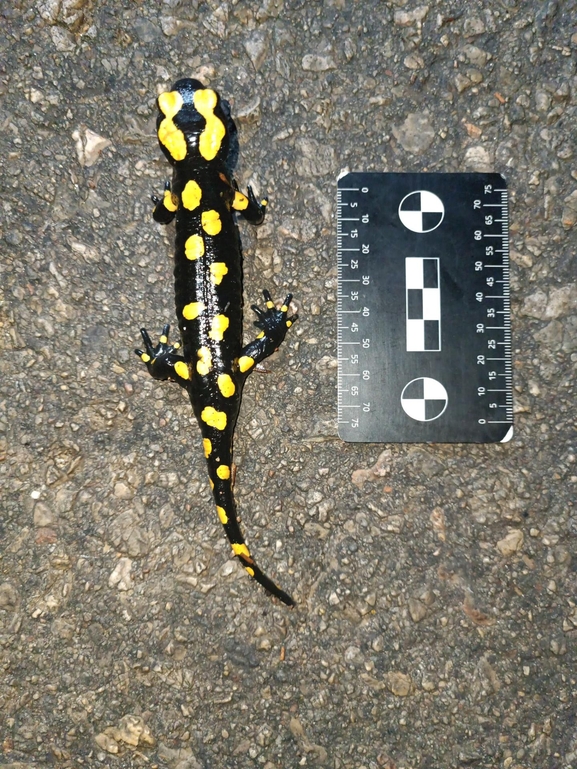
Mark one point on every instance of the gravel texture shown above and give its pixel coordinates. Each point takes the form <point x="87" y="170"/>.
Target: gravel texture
<point x="436" y="624"/>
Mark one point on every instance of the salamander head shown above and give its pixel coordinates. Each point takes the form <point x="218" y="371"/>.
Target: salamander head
<point x="194" y="125"/>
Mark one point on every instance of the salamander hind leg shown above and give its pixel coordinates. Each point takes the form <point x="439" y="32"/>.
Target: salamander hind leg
<point x="163" y="361"/>
<point x="274" y="324"/>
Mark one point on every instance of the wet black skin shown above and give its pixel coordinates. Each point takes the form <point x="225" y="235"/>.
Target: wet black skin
<point x="193" y="284"/>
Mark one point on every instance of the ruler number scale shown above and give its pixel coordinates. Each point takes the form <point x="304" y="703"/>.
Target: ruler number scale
<point x="423" y="308"/>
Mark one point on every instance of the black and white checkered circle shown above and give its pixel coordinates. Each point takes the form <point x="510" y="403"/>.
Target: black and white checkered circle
<point x="424" y="399"/>
<point x="421" y="211"/>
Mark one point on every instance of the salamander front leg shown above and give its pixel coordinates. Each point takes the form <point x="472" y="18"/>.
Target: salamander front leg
<point x="274" y="324"/>
<point x="248" y="206"/>
<point x="164" y="208"/>
<point x="162" y="361"/>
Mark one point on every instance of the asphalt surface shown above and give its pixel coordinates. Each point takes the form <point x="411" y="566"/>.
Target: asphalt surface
<point x="436" y="618"/>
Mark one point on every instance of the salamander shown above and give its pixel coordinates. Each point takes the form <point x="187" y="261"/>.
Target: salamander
<point x="198" y="136"/>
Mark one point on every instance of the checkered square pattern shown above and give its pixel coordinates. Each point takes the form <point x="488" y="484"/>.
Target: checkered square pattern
<point x="423" y="304"/>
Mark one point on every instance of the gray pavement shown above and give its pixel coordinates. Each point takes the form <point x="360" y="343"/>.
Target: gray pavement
<point x="436" y="618"/>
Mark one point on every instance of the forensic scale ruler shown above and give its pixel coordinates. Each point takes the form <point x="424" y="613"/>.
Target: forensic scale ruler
<point x="424" y="322"/>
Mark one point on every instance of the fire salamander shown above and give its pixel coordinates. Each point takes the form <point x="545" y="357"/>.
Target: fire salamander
<point x="199" y="138"/>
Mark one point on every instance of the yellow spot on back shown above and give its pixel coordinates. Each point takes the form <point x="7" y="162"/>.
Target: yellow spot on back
<point x="213" y="418"/>
<point x="226" y="385"/>
<point x="214" y="131"/>
<point x="181" y="369"/>
<point x="218" y="327"/>
<point x="192" y="310"/>
<point x="170" y="201"/>
<point x="211" y="223"/>
<point x="207" y="445"/>
<point x="240" y="201"/>
<point x="169" y="135"/>
<point x="223" y="472"/>
<point x="222" y="515"/>
<point x="250" y="571"/>
<point x="217" y="272"/>
<point x="239" y="549"/>
<point x="194" y="247"/>
<point x="204" y="361"/>
<point x="245" y="362"/>
<point x="191" y="195"/>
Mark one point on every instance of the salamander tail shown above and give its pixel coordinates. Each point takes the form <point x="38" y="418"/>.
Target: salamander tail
<point x="226" y="509"/>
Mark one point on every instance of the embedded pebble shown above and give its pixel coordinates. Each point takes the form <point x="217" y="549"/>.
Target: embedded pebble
<point x="477" y="159"/>
<point x="89" y="146"/>
<point x="257" y="46"/>
<point x="43" y="515"/>
<point x="399" y="683"/>
<point x="315" y="63"/>
<point x="120" y="577"/>
<point x="316" y="159"/>
<point x="559" y="302"/>
<point x="416" y="133"/>
<point x="417" y="609"/>
<point x="569" y="216"/>
<point x="511" y="543"/>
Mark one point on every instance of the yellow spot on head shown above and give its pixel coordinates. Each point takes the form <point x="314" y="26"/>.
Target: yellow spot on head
<point x="169" y="103"/>
<point x="192" y="310"/>
<point x="211" y="223"/>
<point x="191" y="195"/>
<point x="219" y="325"/>
<point x="170" y="201"/>
<point x="250" y="571"/>
<point x="214" y="132"/>
<point x="213" y="418"/>
<point x="222" y="515"/>
<point x="181" y="369"/>
<point x="194" y="247"/>
<point x="207" y="445"/>
<point x="239" y="549"/>
<point x="223" y="472"/>
<point x="245" y="362"/>
<point x="240" y="201"/>
<point x="226" y="385"/>
<point x="204" y="361"/>
<point x="217" y="272"/>
<point x="169" y="135"/>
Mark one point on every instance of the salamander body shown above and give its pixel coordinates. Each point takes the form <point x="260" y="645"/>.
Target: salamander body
<point x="198" y="136"/>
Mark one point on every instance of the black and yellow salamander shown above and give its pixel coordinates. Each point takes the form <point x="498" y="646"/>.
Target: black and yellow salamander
<point x="198" y="136"/>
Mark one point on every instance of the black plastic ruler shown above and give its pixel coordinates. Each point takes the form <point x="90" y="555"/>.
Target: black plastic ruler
<point x="424" y="326"/>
